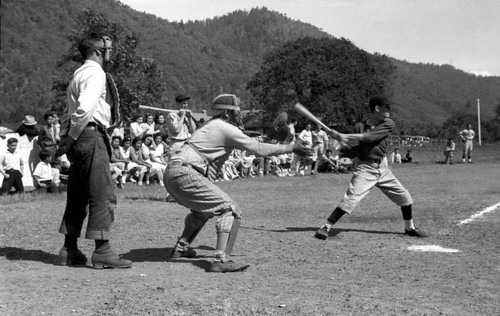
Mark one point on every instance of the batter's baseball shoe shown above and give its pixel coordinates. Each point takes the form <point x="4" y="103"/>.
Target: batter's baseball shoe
<point x="71" y="257"/>
<point x="322" y="232"/>
<point x="415" y="232"/>
<point x="228" y="266"/>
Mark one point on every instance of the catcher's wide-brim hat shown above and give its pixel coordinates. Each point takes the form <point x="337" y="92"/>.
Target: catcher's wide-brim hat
<point x="226" y="102"/>
<point x="29" y="120"/>
<point x="181" y="98"/>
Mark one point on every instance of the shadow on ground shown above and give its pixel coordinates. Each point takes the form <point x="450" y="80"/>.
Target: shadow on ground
<point x="13" y="253"/>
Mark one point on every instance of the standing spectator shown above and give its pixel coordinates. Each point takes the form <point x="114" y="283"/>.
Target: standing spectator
<point x="467" y="136"/>
<point x="46" y="177"/>
<point x="180" y="125"/>
<point x="301" y="162"/>
<point x="93" y="107"/>
<point x="449" y="149"/>
<point x="28" y="127"/>
<point x="396" y="156"/>
<point x="47" y="138"/>
<point x="320" y="145"/>
<point x="12" y="168"/>
<point x="161" y="126"/>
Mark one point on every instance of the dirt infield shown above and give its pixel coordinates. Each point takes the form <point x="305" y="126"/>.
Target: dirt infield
<point x="365" y="269"/>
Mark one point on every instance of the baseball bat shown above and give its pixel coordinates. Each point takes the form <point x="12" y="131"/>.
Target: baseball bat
<point x="305" y="112"/>
<point x="152" y="108"/>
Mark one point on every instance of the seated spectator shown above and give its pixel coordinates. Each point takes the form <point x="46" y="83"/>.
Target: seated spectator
<point x="117" y="163"/>
<point x="155" y="169"/>
<point x="12" y="168"/>
<point x="396" y="156"/>
<point x="46" y="178"/>
<point x="161" y="126"/>
<point x="137" y="156"/>
<point x="133" y="171"/>
<point x="28" y="127"/>
<point x="149" y="125"/>
<point x="160" y="150"/>
<point x="449" y="149"/>
<point x="136" y="130"/>
<point x="328" y="162"/>
<point x="408" y="157"/>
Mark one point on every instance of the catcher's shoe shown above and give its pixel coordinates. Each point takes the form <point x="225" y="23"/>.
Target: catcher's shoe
<point x="182" y="253"/>
<point x="415" y="232"/>
<point x="228" y="266"/>
<point x="322" y="232"/>
<point x="71" y="257"/>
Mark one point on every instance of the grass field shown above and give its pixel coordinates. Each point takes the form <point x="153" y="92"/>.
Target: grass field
<point x="366" y="268"/>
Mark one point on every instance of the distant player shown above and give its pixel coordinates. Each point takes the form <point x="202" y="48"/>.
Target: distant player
<point x="188" y="179"/>
<point x="467" y="136"/>
<point x="371" y="168"/>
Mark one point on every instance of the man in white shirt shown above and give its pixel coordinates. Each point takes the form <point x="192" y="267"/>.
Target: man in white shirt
<point x="467" y="136"/>
<point x="11" y="167"/>
<point x="92" y="108"/>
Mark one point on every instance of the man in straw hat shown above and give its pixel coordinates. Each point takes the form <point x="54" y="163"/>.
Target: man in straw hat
<point x="193" y="166"/>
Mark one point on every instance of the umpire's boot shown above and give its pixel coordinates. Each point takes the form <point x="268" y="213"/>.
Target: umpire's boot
<point x="71" y="257"/>
<point x="105" y="257"/>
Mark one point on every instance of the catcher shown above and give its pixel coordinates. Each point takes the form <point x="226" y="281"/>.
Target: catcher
<point x="193" y="166"/>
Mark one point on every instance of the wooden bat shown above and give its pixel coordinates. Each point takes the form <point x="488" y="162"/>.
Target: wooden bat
<point x="152" y="108"/>
<point x="305" y="112"/>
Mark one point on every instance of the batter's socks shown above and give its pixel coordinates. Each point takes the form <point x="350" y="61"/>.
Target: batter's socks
<point x="334" y="217"/>
<point x="407" y="216"/>
<point x="70" y="242"/>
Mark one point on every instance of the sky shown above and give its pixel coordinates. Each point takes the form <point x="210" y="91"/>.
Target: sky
<point x="461" y="33"/>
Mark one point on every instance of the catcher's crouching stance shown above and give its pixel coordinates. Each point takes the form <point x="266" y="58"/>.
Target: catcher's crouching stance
<point x="188" y="179"/>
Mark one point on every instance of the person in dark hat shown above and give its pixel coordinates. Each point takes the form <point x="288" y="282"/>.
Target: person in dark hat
<point x="369" y="147"/>
<point x="180" y="125"/>
<point x="29" y="127"/>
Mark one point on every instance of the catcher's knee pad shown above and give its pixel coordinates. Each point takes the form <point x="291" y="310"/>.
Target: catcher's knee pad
<point x="225" y="222"/>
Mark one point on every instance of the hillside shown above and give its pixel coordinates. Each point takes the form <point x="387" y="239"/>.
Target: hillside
<point x="201" y="58"/>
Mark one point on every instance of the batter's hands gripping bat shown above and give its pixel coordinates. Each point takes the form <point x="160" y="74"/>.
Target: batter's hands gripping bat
<point x="305" y="112"/>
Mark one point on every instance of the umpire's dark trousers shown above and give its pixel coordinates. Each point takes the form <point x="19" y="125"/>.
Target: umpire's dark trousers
<point x="89" y="183"/>
<point x="15" y="180"/>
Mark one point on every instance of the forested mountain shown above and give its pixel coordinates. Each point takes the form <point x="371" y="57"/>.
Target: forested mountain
<point x="202" y="58"/>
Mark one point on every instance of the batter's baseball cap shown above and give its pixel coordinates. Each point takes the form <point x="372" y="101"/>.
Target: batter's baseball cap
<point x="379" y="100"/>
<point x="226" y="102"/>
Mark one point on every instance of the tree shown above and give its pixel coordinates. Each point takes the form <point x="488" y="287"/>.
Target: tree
<point x="331" y="77"/>
<point x="139" y="80"/>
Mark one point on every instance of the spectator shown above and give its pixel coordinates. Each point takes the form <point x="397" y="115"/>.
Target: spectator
<point x="12" y="168"/>
<point x="408" y="157"/>
<point x="117" y="162"/>
<point x="155" y="169"/>
<point x="328" y="162"/>
<point x="131" y="167"/>
<point x="467" y="136"/>
<point x="136" y="130"/>
<point x="320" y="144"/>
<point x="47" y="138"/>
<point x="396" y="156"/>
<point x="47" y="178"/>
<point x="137" y="157"/>
<point x="160" y="150"/>
<point x="449" y="149"/>
<point x="161" y="126"/>
<point x="149" y="124"/>
<point x="28" y="127"/>
<point x="180" y="125"/>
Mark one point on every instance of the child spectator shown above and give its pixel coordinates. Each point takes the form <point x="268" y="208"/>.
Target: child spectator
<point x="47" y="178"/>
<point x="12" y="169"/>
<point x="48" y="138"/>
<point x="408" y="157"/>
<point x="396" y="156"/>
<point x="448" y="152"/>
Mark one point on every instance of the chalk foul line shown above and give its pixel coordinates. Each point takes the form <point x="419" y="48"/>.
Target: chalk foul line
<point x="479" y="214"/>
